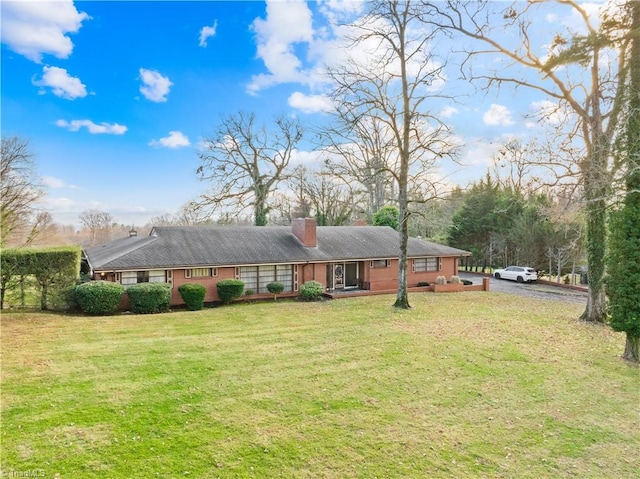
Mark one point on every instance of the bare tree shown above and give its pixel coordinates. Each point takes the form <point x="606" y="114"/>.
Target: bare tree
<point x="245" y="163"/>
<point x="326" y="196"/>
<point x="189" y="214"/>
<point x="99" y="224"/>
<point x="19" y="188"/>
<point x="361" y="152"/>
<point x="389" y="82"/>
<point x="582" y="75"/>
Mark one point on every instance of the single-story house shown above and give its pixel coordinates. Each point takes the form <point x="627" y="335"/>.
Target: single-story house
<point x="339" y="257"/>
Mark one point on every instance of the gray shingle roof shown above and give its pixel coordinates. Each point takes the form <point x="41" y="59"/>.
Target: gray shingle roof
<point x="184" y="246"/>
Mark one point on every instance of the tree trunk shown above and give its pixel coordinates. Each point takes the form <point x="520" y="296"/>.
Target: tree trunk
<point x="595" y="311"/>
<point x="402" y="298"/>
<point x="43" y="298"/>
<point x="22" y="292"/>
<point x="260" y="209"/>
<point x="632" y="348"/>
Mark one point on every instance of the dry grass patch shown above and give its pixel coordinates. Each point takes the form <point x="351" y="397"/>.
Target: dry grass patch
<point x="492" y="386"/>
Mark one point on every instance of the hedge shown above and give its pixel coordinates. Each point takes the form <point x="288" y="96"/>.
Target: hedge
<point x="98" y="297"/>
<point x="193" y="295"/>
<point x="229" y="289"/>
<point x="146" y="298"/>
<point x="53" y="268"/>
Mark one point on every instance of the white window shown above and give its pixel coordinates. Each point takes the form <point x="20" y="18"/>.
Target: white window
<point x="380" y="263"/>
<point x="201" y="272"/>
<point x="421" y="265"/>
<point x="284" y="275"/>
<point x="128" y="278"/>
<point x="257" y="278"/>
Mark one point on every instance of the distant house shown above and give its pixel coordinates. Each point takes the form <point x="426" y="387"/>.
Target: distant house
<point x="339" y="257"/>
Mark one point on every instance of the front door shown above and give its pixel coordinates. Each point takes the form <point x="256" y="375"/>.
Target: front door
<point x="351" y="275"/>
<point x="338" y="276"/>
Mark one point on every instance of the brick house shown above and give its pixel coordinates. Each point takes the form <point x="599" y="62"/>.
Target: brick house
<point x="341" y="258"/>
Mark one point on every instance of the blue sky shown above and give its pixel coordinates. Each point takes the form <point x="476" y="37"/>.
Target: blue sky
<point x="115" y="97"/>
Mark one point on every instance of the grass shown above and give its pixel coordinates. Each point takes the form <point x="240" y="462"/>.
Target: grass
<point x="491" y="386"/>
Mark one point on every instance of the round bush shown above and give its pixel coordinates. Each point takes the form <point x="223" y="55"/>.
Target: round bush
<point x="275" y="288"/>
<point x="229" y="289"/>
<point x="193" y="295"/>
<point x="98" y="297"/>
<point x="311" y="291"/>
<point x="146" y="298"/>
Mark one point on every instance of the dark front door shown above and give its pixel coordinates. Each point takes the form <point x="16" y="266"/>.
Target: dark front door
<point x="351" y="275"/>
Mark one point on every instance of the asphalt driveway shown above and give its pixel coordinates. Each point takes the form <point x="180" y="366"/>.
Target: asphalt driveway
<point x="530" y="290"/>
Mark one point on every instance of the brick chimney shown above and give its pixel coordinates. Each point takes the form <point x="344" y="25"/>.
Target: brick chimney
<point x="305" y="230"/>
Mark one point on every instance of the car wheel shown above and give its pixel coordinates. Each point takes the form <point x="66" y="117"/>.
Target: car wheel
<point x="520" y="279"/>
<point x="497" y="275"/>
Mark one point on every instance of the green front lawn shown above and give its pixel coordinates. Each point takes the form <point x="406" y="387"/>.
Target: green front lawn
<point x="463" y="385"/>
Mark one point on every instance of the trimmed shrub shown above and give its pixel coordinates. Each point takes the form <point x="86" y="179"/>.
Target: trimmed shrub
<point x="454" y="279"/>
<point x="441" y="280"/>
<point x="193" y="295"/>
<point x="146" y="298"/>
<point x="275" y="288"/>
<point x="466" y="282"/>
<point x="423" y="283"/>
<point x="311" y="291"/>
<point x="229" y="289"/>
<point x="249" y="292"/>
<point x="52" y="268"/>
<point x="98" y="297"/>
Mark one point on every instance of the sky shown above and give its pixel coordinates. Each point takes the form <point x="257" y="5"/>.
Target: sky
<point x="115" y="97"/>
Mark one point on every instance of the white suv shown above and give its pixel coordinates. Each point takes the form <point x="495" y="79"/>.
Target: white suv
<point x="521" y="274"/>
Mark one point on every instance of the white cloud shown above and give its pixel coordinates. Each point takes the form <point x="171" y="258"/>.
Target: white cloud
<point x="56" y="183"/>
<point x="448" y="111"/>
<point x="176" y="139"/>
<point x="93" y="128"/>
<point x="287" y="23"/>
<point x="57" y="204"/>
<point x="497" y="115"/>
<point x="207" y="32"/>
<point x="36" y="28"/>
<point x="310" y="103"/>
<point x="61" y="83"/>
<point x="310" y="159"/>
<point x="155" y="86"/>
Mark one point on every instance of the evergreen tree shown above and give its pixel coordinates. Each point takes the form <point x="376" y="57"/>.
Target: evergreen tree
<point x="623" y="283"/>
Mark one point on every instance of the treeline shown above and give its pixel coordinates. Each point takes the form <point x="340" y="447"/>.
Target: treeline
<point x="502" y="226"/>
